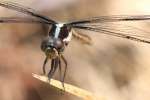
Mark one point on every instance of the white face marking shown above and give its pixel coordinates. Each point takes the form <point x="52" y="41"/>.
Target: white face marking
<point x="58" y="27"/>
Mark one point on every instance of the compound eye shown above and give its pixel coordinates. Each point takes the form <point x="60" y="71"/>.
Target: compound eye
<point x="51" y="43"/>
<point x="47" y="43"/>
<point x="43" y="45"/>
<point x="58" y="43"/>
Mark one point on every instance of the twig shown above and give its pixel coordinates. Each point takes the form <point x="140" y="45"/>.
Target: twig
<point x="85" y="95"/>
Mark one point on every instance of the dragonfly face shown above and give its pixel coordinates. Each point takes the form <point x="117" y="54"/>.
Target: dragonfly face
<point x="59" y="37"/>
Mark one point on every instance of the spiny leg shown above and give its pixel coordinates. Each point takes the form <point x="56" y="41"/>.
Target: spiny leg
<point x="44" y="64"/>
<point x="82" y="37"/>
<point x="60" y="70"/>
<point x="61" y="79"/>
<point x="54" y="66"/>
<point x="65" y="61"/>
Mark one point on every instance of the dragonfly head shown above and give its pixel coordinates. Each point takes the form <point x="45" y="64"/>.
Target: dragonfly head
<point x="52" y="47"/>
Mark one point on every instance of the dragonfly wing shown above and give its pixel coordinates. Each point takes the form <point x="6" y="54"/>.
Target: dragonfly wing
<point x="115" y="18"/>
<point x="123" y="31"/>
<point x="25" y="10"/>
<point x="20" y="20"/>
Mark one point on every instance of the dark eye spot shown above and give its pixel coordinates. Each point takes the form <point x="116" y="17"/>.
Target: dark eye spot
<point x="64" y="32"/>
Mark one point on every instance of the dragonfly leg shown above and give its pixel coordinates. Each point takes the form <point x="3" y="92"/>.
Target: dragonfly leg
<point x="61" y="78"/>
<point x="44" y="64"/>
<point x="85" y="39"/>
<point x="51" y="70"/>
<point x="60" y="70"/>
<point x="65" y="71"/>
<point x="54" y="65"/>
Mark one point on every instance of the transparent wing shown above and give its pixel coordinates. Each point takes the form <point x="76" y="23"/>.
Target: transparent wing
<point x="20" y="20"/>
<point x="115" y="18"/>
<point x="118" y="30"/>
<point x="25" y="10"/>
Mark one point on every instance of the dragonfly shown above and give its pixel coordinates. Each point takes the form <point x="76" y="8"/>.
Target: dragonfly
<point x="60" y="34"/>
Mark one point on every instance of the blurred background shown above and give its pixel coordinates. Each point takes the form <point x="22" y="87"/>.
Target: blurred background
<point x="112" y="68"/>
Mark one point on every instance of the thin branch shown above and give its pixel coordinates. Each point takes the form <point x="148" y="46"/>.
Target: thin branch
<point x="84" y="94"/>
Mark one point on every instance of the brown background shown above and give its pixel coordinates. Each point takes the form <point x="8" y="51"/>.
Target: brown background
<point x="112" y="68"/>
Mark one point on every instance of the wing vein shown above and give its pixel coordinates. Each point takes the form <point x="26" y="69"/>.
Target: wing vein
<point x="17" y="7"/>
<point x="112" y="33"/>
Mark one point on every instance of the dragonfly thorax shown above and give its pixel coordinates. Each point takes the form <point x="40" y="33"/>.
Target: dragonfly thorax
<point x="61" y="31"/>
<point x="59" y="37"/>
